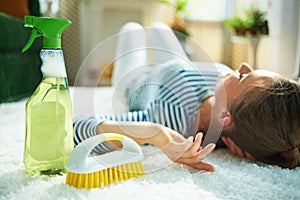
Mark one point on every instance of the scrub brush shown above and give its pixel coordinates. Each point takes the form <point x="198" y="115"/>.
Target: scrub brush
<point x="84" y="171"/>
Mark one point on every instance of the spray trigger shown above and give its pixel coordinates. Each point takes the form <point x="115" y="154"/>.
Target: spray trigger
<point x="34" y="34"/>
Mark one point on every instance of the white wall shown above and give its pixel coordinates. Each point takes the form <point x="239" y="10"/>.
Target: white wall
<point x="209" y="40"/>
<point x="100" y="21"/>
<point x="279" y="51"/>
<point x="282" y="47"/>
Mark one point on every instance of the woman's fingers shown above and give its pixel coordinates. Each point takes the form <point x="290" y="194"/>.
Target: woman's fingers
<point x="196" y="152"/>
<point x="195" y="146"/>
<point x="203" y="166"/>
<point x="206" y="151"/>
<point x="235" y="150"/>
<point x="228" y="144"/>
<point x="190" y="153"/>
<point x="249" y="156"/>
<point x="198" y="157"/>
<point x="195" y="163"/>
<point x="201" y="154"/>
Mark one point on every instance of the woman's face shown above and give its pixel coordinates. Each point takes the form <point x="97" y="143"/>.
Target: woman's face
<point x="233" y="84"/>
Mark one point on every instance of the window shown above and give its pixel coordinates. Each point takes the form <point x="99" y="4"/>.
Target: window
<point x="49" y="7"/>
<point x="207" y="10"/>
<point x="218" y="10"/>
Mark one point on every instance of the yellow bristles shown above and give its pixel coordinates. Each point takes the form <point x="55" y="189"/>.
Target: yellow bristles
<point x="105" y="177"/>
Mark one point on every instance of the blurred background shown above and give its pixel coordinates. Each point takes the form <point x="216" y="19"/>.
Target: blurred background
<point x="270" y="37"/>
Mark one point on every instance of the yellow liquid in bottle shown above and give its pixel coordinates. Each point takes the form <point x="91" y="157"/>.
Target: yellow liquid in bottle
<point x="49" y="128"/>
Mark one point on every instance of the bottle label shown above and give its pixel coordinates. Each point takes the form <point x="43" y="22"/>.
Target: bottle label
<point x="47" y="131"/>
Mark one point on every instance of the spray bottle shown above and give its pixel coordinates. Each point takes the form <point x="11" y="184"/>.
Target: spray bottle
<point x="49" y="117"/>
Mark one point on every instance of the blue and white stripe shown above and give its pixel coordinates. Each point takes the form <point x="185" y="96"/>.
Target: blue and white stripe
<point x="177" y="98"/>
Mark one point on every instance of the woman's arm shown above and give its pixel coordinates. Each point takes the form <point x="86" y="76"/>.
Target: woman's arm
<point x="174" y="145"/>
<point x="141" y="132"/>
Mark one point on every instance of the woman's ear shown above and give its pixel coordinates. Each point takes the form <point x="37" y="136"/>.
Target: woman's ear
<point x="224" y="118"/>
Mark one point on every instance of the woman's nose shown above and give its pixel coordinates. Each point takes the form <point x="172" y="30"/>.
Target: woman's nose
<point x="245" y="68"/>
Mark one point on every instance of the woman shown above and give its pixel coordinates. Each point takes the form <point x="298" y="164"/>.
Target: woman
<point x="265" y="121"/>
<point x="175" y="101"/>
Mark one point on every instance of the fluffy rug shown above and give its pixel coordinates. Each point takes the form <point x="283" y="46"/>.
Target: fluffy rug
<point x="233" y="179"/>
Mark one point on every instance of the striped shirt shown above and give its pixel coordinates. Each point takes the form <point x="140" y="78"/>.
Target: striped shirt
<point x="170" y="96"/>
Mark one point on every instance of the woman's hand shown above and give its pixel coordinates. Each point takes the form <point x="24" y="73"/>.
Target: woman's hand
<point x="187" y="152"/>
<point x="174" y="145"/>
<point x="235" y="150"/>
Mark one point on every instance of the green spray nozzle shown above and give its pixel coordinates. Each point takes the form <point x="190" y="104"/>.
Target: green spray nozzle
<point x="50" y="28"/>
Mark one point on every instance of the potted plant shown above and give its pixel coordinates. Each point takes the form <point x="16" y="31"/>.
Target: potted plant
<point x="254" y="23"/>
<point x="237" y="25"/>
<point x="257" y="22"/>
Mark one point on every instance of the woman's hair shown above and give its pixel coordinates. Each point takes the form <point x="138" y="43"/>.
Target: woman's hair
<point x="266" y="123"/>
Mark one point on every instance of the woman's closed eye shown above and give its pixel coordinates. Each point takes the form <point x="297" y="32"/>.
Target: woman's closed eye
<point x="242" y="76"/>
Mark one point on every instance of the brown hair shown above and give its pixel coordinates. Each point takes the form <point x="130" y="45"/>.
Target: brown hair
<point x="267" y="123"/>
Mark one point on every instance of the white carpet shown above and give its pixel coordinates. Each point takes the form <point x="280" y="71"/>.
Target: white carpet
<point x="233" y="179"/>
